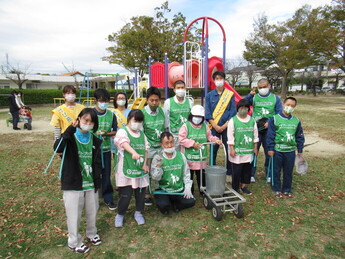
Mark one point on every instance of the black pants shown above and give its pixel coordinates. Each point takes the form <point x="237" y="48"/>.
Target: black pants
<point x="125" y="195"/>
<point x="197" y="173"/>
<point x="178" y="202"/>
<point x="15" y="119"/>
<point x="241" y="174"/>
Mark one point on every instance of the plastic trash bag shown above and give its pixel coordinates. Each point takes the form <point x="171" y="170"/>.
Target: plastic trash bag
<point x="301" y="165"/>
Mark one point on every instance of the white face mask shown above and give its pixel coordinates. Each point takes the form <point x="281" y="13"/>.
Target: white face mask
<point x="288" y="109"/>
<point x="135" y="125"/>
<point x="70" y="97"/>
<point x="121" y="102"/>
<point x="180" y="92"/>
<point x="103" y="106"/>
<point x="85" y="127"/>
<point x="196" y="120"/>
<point x="169" y="150"/>
<point x="264" y="91"/>
<point x="219" y="83"/>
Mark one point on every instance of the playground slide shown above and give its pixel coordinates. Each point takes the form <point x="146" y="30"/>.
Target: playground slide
<point x="175" y="72"/>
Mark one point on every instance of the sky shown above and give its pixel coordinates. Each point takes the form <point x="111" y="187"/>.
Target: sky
<point x="48" y="35"/>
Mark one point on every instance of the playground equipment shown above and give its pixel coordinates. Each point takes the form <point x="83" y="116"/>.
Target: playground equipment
<point x="197" y="67"/>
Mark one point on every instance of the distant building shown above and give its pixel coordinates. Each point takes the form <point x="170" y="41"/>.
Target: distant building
<point x="74" y="78"/>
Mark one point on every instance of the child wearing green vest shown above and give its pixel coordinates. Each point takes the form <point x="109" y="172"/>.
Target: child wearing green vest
<point x="284" y="136"/>
<point x="106" y="131"/>
<point x="131" y="173"/>
<point x="81" y="177"/>
<point x="192" y="134"/>
<point x="171" y="173"/>
<point x="242" y="141"/>
<point x="177" y="109"/>
<point x="154" y="121"/>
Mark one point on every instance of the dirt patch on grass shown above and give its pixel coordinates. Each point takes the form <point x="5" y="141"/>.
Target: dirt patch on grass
<point x="37" y="126"/>
<point x="322" y="147"/>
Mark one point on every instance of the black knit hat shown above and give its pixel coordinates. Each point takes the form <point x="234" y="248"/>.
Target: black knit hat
<point x="243" y="102"/>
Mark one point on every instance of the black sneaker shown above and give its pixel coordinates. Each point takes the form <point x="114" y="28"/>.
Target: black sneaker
<point x="246" y="191"/>
<point x="111" y="205"/>
<point x="96" y="240"/>
<point x="16" y="128"/>
<point x="148" y="201"/>
<point x="81" y="249"/>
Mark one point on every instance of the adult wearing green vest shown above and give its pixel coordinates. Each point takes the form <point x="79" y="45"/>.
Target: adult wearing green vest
<point x="107" y="129"/>
<point x="131" y="173"/>
<point x="284" y="136"/>
<point x="153" y="126"/>
<point x="242" y="141"/>
<point x="265" y="105"/>
<point x="177" y="109"/>
<point x="171" y="173"/>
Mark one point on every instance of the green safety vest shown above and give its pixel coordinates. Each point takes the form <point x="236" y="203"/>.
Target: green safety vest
<point x="200" y="136"/>
<point x="105" y="122"/>
<point x="178" y="114"/>
<point x="85" y="163"/>
<point x="285" y="139"/>
<point x="153" y="127"/>
<point x="244" y="136"/>
<point x="134" y="168"/>
<point x="172" y="178"/>
<point x="264" y="107"/>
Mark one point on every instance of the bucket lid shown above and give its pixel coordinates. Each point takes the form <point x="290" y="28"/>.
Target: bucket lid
<point x="215" y="169"/>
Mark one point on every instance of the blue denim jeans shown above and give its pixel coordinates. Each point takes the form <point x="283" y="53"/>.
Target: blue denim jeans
<point x="107" y="188"/>
<point x="283" y="161"/>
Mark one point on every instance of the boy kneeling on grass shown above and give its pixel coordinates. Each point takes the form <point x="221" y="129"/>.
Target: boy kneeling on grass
<point x="284" y="135"/>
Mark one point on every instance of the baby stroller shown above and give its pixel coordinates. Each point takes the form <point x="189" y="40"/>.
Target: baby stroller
<point x="26" y="117"/>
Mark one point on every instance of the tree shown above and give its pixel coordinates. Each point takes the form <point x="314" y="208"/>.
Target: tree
<point x="335" y="16"/>
<point x="276" y="45"/>
<point x="234" y="70"/>
<point x="15" y="73"/>
<point x="148" y="36"/>
<point x="251" y="72"/>
<point x="273" y="75"/>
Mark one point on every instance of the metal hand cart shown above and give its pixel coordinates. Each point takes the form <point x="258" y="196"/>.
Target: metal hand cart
<point x="213" y="195"/>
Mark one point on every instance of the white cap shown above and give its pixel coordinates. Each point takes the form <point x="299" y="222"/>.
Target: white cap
<point x="198" y="110"/>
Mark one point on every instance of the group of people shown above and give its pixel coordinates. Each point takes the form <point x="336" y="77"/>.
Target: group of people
<point x="17" y="109"/>
<point x="165" y="145"/>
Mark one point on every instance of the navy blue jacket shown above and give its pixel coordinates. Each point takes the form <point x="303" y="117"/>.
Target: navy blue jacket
<point x="212" y="99"/>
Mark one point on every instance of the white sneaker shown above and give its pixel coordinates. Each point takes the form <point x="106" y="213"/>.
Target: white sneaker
<point x="268" y="179"/>
<point x="252" y="179"/>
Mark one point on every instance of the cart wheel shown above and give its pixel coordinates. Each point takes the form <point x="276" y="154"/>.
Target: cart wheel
<point x="239" y="212"/>
<point x="207" y="203"/>
<point x="217" y="213"/>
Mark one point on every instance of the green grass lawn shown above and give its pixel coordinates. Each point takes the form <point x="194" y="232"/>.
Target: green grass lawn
<point x="309" y="225"/>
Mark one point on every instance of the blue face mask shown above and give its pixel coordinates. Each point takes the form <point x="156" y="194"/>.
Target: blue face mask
<point x="103" y="106"/>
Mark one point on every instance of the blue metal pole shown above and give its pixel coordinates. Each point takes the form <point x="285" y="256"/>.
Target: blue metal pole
<point x="135" y="83"/>
<point x="206" y="71"/>
<point x="166" y="76"/>
<point x="224" y="55"/>
<point x="150" y="75"/>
